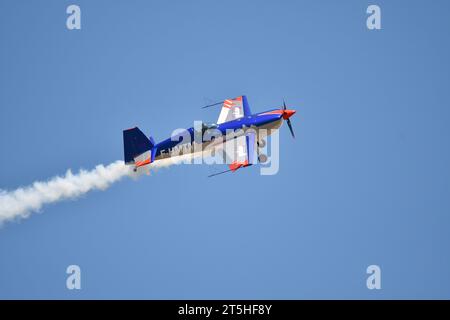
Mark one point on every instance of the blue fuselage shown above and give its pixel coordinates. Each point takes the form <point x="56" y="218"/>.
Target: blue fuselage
<point x="268" y="120"/>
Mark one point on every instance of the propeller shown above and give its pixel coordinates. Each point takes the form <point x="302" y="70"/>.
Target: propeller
<point x="286" y="115"/>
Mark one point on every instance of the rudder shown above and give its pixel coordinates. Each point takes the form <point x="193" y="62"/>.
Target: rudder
<point x="135" y="143"/>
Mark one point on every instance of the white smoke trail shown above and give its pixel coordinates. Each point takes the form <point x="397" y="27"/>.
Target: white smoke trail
<point x="21" y="202"/>
<point x="175" y="160"/>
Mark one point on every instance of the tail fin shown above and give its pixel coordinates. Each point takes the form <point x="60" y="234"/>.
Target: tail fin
<point x="135" y="143"/>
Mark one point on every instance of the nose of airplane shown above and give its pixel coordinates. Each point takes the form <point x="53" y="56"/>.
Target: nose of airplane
<point x="288" y="113"/>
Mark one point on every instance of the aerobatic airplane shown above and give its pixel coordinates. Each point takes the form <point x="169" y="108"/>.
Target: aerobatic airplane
<point x="236" y="124"/>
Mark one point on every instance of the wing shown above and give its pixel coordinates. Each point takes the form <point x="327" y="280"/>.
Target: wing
<point x="233" y="109"/>
<point x="240" y="152"/>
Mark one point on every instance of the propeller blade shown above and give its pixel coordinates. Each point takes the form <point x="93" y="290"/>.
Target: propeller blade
<point x="284" y="105"/>
<point x="290" y="127"/>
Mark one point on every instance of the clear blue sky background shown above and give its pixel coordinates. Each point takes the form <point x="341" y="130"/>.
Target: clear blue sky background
<point x="366" y="181"/>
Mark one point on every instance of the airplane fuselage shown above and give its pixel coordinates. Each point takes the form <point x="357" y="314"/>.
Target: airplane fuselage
<point x="184" y="142"/>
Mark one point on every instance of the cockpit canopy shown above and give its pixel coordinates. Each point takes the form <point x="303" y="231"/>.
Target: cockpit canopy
<point x="208" y="126"/>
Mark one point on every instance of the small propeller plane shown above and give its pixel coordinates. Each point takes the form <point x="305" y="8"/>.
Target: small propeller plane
<point x="235" y="116"/>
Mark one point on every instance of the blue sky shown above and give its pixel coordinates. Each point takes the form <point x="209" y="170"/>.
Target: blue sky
<point x="365" y="182"/>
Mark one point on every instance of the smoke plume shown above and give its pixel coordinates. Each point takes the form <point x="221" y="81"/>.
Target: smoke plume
<point x="20" y="203"/>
